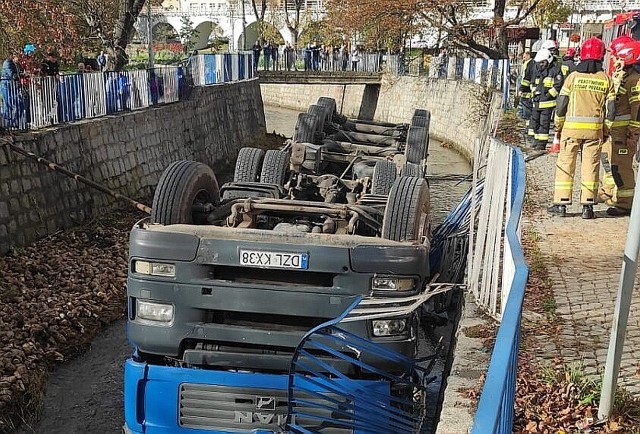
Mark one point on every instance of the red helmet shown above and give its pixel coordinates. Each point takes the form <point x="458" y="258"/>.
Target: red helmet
<point x="618" y="43"/>
<point x="592" y="49"/>
<point x="570" y="52"/>
<point x="630" y="53"/>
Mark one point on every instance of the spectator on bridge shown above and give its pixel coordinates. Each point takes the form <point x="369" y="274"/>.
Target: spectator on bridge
<point x="275" y="56"/>
<point x="50" y="66"/>
<point x="315" y="56"/>
<point x="102" y="61"/>
<point x="307" y="58"/>
<point x="257" y="49"/>
<point x="345" y="57"/>
<point x="10" y="91"/>
<point x="289" y="57"/>
<point x="266" y="49"/>
<point x="355" y="58"/>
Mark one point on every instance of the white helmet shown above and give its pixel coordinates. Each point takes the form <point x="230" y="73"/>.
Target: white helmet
<point x="549" y="44"/>
<point x="543" y="54"/>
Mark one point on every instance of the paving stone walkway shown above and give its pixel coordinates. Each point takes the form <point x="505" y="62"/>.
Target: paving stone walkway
<point x="583" y="258"/>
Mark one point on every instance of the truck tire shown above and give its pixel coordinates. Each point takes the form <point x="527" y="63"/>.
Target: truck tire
<point x="305" y="128"/>
<point x="422" y="112"/>
<point x="320" y="113"/>
<point x="411" y="169"/>
<point x="329" y="105"/>
<point x="248" y="165"/>
<point x="274" y="168"/>
<point x="417" y="144"/>
<point x="384" y="174"/>
<point x="406" y="216"/>
<point x="183" y="184"/>
<point x="421" y="121"/>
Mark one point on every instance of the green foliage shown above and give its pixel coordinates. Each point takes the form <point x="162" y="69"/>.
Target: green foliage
<point x="187" y="33"/>
<point x="551" y="12"/>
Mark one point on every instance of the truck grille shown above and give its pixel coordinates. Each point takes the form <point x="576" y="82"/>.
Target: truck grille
<point x="244" y="409"/>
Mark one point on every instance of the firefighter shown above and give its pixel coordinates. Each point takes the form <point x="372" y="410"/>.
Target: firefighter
<point x="546" y="86"/>
<point x="527" y="72"/>
<point x="586" y="97"/>
<point x="568" y="62"/>
<point x="618" y="151"/>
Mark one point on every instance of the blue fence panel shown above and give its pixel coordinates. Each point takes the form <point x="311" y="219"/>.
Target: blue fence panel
<point x="496" y="406"/>
<point x="14" y="109"/>
<point x="210" y="69"/>
<point x="228" y="67"/>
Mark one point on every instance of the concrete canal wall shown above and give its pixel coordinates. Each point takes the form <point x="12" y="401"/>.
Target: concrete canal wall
<point x="125" y="152"/>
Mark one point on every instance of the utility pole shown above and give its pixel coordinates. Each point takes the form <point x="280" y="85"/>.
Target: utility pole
<point x="621" y="312"/>
<point x="149" y="34"/>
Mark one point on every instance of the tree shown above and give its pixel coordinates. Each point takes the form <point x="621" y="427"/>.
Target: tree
<point x="551" y="12"/>
<point x="292" y="18"/>
<point x="188" y="33"/>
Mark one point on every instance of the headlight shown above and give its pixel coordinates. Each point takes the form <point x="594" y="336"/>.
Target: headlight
<point x="154" y="311"/>
<point x="389" y="327"/>
<point x="154" y="268"/>
<point x="392" y="284"/>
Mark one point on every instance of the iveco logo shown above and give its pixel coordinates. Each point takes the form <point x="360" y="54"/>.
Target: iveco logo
<point x="264" y="413"/>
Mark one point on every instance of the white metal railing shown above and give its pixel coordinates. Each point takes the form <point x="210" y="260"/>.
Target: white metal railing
<point x="491" y="266"/>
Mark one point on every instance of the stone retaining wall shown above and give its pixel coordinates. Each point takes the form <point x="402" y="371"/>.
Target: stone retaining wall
<point x="126" y="152"/>
<point x="459" y="110"/>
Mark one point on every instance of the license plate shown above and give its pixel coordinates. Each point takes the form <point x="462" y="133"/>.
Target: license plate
<point x="256" y="258"/>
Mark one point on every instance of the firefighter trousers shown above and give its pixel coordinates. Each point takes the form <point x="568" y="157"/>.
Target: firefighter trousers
<point x="539" y="125"/>
<point x="566" y="166"/>
<point x="618" y="181"/>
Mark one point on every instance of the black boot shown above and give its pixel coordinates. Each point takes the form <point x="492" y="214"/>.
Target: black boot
<point x="559" y="210"/>
<point x="618" y="212"/>
<point x="587" y="212"/>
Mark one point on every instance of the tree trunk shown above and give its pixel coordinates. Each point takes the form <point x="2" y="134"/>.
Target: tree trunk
<point x="129" y="10"/>
<point x="499" y="27"/>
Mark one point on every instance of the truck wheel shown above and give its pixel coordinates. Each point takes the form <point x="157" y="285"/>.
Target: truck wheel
<point x="320" y="113"/>
<point x="384" y="174"/>
<point x="417" y="144"/>
<point x="329" y="105"/>
<point x="274" y="168"/>
<point x="248" y="165"/>
<point x="411" y="169"/>
<point x="305" y="128"/>
<point x="422" y="112"/>
<point x="182" y="185"/>
<point x="406" y="217"/>
<point x="421" y="121"/>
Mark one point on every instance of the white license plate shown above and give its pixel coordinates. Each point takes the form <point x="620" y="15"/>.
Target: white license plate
<point x="256" y="258"/>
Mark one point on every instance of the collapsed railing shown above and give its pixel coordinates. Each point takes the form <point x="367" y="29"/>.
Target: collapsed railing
<point x="501" y="295"/>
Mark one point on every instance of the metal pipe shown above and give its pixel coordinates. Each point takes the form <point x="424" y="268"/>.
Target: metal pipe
<point x="621" y="312"/>
<point x="57" y="168"/>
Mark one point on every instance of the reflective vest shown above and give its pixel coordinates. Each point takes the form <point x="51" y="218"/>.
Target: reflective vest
<point x="632" y="86"/>
<point x="568" y="66"/>
<point x="586" y="101"/>
<point x="528" y="71"/>
<point x="547" y="85"/>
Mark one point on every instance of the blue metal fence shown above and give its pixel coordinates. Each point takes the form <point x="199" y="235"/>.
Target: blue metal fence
<point x="496" y="406"/>
<point x="36" y="102"/>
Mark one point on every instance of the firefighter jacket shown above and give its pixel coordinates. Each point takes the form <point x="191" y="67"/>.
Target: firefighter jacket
<point x="626" y="87"/>
<point x="632" y="84"/>
<point x="568" y="66"/>
<point x="546" y="86"/>
<point x="586" y="106"/>
<point x="528" y="72"/>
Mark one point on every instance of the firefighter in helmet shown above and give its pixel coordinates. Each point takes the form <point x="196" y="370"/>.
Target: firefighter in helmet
<point x="585" y="110"/>
<point x="618" y="182"/>
<point x="528" y="71"/>
<point x="568" y="62"/>
<point x="545" y="88"/>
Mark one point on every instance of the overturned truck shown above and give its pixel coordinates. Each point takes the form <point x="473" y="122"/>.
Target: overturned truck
<point x="227" y="284"/>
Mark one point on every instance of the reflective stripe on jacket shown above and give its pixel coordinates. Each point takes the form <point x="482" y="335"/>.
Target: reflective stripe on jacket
<point x="547" y="85"/>
<point x="585" y="101"/>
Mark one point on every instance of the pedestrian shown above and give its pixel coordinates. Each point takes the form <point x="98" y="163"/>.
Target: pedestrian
<point x="307" y="58"/>
<point x="345" y="57"/>
<point x="585" y="110"/>
<point x="527" y="73"/>
<point x="618" y="182"/>
<point x="257" y="49"/>
<point x="546" y="86"/>
<point x="568" y="62"/>
<point x="102" y="61"/>
<point x="289" y="56"/>
<point x="315" y="57"/>
<point x="275" y="56"/>
<point x="355" y="58"/>
<point x="50" y="66"/>
<point x="10" y="91"/>
<point x="266" y="50"/>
